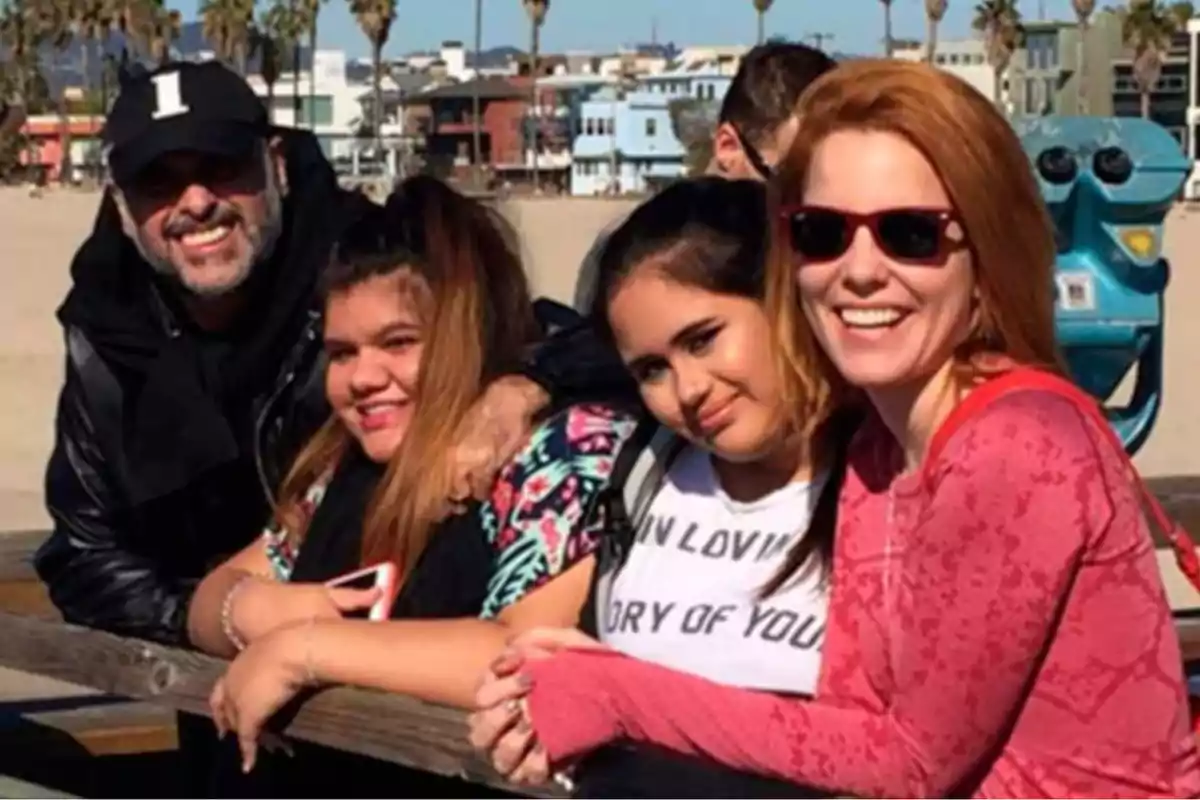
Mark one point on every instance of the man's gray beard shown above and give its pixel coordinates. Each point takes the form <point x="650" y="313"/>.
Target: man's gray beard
<point x="263" y="249"/>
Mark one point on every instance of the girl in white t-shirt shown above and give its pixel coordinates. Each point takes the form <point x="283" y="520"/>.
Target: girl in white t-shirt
<point x="721" y="572"/>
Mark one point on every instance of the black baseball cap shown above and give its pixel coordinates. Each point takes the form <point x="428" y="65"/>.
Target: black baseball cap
<point x="182" y="106"/>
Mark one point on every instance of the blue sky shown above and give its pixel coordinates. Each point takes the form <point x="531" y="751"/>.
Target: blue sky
<point x="603" y="24"/>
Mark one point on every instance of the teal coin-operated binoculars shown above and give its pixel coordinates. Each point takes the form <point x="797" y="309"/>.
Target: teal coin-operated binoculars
<point x="1109" y="184"/>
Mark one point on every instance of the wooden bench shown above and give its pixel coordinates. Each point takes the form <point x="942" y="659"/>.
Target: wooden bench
<point x="144" y="684"/>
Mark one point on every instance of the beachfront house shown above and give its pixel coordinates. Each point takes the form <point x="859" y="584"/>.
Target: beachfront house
<point x="625" y="141"/>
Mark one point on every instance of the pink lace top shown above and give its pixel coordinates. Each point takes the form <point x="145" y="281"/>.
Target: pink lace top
<point x="997" y="627"/>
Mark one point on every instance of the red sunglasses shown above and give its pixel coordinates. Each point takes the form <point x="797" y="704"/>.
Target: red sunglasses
<point x="915" y="235"/>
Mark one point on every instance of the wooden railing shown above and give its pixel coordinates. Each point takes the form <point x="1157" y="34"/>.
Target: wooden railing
<point x="390" y="727"/>
<point x="394" y="728"/>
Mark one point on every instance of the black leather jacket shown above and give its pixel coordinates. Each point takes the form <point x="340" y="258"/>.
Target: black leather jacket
<point x="131" y="568"/>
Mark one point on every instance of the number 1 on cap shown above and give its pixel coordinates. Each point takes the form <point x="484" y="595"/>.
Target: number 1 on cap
<point x="168" y="97"/>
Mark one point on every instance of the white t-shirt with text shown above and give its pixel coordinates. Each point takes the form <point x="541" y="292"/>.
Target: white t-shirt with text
<point x="687" y="597"/>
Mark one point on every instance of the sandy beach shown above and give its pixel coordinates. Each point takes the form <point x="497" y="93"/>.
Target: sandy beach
<point x="39" y="235"/>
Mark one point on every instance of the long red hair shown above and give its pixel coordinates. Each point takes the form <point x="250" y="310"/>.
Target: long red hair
<point x="991" y="185"/>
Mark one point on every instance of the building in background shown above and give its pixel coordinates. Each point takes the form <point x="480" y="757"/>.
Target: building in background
<point x="443" y="117"/>
<point x="627" y="143"/>
<point x="45" y="135"/>
<point x="331" y="106"/>
<point x="1044" y="74"/>
<point x="964" y="58"/>
<point x="558" y="119"/>
<point x="1169" y="98"/>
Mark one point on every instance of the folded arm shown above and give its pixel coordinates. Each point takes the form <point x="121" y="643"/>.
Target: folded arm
<point x="205" y="625"/>
<point x="437" y="660"/>
<point x="986" y="577"/>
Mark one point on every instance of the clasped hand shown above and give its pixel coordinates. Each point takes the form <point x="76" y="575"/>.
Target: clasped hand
<point x="501" y="727"/>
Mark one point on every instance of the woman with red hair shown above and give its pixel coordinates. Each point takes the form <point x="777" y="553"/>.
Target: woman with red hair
<point x="997" y="624"/>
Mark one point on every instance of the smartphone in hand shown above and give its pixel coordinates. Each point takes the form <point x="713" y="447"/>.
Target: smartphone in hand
<point x="382" y="576"/>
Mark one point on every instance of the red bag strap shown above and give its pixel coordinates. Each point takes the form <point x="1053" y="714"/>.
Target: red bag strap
<point x="1029" y="378"/>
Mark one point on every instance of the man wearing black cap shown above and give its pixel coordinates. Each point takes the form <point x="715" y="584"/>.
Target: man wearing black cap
<point x="191" y="357"/>
<point x="194" y="366"/>
<point x="192" y="352"/>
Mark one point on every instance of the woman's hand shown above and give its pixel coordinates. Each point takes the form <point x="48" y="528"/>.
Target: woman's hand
<point x="262" y="606"/>
<point x="541" y="643"/>
<point x="260" y="681"/>
<point x="502" y="728"/>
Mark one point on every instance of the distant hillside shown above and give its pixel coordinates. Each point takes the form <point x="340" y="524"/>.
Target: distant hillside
<point x="67" y="67"/>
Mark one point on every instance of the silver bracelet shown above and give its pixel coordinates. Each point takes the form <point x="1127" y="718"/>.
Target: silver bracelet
<point x="227" y="614"/>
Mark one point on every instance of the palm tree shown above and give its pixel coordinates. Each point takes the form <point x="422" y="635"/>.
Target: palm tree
<point x="90" y="21"/>
<point x="57" y="19"/>
<point x="217" y="28"/>
<point x="21" y="35"/>
<point x="1000" y="23"/>
<point x="1083" y="13"/>
<point x="1182" y="12"/>
<point x="227" y="27"/>
<point x="307" y="16"/>
<point x="284" y="23"/>
<point x="18" y="37"/>
<point x="127" y="23"/>
<point x="934" y="11"/>
<point x="160" y="29"/>
<point x="762" y="7"/>
<point x="375" y="17"/>
<point x="267" y="41"/>
<point x="536" y="10"/>
<point x="887" y="27"/>
<point x="1146" y="28"/>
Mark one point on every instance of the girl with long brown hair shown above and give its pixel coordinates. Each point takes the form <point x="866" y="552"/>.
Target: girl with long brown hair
<point x="425" y="302"/>
<point x="997" y="623"/>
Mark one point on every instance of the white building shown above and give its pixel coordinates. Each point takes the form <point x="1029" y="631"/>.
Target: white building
<point x="330" y="105"/>
<point x="726" y="57"/>
<point x="963" y="58"/>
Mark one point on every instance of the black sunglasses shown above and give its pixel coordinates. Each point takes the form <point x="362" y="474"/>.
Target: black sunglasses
<point x="916" y="235"/>
<point x="753" y="156"/>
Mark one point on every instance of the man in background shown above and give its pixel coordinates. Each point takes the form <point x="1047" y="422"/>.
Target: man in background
<point x="755" y="127"/>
